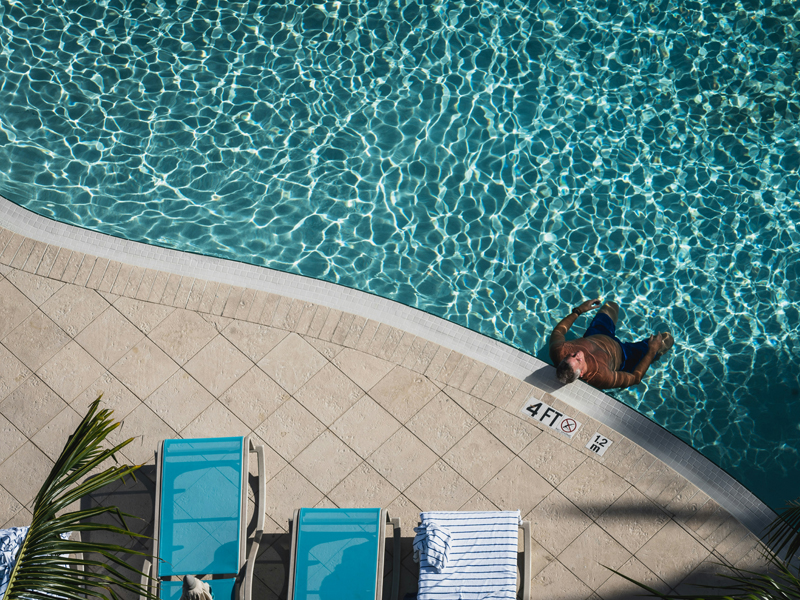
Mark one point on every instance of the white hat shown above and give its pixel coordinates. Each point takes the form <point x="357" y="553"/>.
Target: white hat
<point x="194" y="589"/>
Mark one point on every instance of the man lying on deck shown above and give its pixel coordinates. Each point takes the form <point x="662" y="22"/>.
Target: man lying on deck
<point x="599" y="358"/>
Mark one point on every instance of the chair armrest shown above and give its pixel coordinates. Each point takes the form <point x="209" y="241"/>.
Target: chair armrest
<point x="260" y="512"/>
<point x="293" y="532"/>
<point x="262" y="487"/>
<point x="145" y="580"/>
<point x="525" y="576"/>
<point x="395" y="559"/>
<point x="251" y="564"/>
<point x="76" y="536"/>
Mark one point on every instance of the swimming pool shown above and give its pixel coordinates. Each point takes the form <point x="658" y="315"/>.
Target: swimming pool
<point x="492" y="163"/>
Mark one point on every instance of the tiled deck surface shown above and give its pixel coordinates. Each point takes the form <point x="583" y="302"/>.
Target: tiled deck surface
<point x="352" y="413"/>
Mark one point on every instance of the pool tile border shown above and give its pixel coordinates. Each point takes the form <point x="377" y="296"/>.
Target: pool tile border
<point x="117" y="253"/>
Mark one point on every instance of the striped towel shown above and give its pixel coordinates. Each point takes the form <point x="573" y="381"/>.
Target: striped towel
<point x="432" y="546"/>
<point x="10" y="542"/>
<point x="482" y="562"/>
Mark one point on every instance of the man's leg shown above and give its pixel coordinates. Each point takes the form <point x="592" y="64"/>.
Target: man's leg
<point x="605" y="321"/>
<point x="635" y="351"/>
<point x="611" y="308"/>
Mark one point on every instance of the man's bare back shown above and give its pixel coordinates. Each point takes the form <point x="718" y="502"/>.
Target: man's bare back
<point x="599" y="359"/>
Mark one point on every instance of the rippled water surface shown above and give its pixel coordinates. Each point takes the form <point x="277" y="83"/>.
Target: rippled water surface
<point x="492" y="163"/>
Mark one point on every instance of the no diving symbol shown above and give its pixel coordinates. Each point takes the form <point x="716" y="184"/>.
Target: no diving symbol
<point x="550" y="417"/>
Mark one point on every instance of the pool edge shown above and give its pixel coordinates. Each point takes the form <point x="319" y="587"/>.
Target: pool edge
<point x="689" y="463"/>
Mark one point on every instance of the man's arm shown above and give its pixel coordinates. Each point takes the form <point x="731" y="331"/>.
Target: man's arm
<point x="609" y="379"/>
<point x="558" y="337"/>
<point x="559" y="333"/>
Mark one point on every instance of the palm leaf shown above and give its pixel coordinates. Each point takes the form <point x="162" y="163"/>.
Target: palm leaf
<point x="42" y="570"/>
<point x="779" y="583"/>
<point x="783" y="535"/>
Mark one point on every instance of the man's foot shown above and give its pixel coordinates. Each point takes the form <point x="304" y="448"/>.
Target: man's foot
<point x="667" y="341"/>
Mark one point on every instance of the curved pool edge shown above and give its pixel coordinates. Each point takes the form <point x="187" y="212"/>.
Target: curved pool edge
<point x="687" y="462"/>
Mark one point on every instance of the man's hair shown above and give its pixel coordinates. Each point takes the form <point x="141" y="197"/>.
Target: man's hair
<point x="565" y="373"/>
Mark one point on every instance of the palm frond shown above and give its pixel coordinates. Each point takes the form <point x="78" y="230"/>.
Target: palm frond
<point x="46" y="563"/>
<point x="779" y="583"/>
<point x="783" y="535"/>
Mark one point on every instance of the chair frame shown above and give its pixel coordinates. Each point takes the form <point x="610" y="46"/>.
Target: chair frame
<point x="525" y="572"/>
<point x="387" y="522"/>
<point x="150" y="578"/>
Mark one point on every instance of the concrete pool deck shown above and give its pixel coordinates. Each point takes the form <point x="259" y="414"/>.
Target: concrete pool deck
<point x="353" y="411"/>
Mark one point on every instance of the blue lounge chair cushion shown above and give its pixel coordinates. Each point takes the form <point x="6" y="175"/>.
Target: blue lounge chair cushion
<point x="201" y="502"/>
<point x="337" y="554"/>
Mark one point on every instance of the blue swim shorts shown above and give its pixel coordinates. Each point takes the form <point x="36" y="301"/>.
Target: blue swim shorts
<point x="632" y="352"/>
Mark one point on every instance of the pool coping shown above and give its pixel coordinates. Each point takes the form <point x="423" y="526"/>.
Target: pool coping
<point x="685" y="460"/>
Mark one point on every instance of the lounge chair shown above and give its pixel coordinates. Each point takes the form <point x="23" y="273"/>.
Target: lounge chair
<point x="200" y="523"/>
<point x="471" y="555"/>
<point x="338" y="553"/>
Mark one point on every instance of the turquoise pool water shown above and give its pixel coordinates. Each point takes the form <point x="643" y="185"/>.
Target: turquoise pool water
<point x="492" y="163"/>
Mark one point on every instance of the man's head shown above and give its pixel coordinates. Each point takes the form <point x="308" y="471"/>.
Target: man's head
<point x="571" y="367"/>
